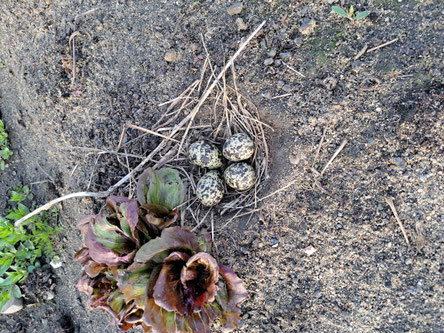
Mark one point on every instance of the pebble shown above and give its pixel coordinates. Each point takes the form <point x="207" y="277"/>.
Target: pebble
<point x="241" y="24"/>
<point x="50" y="296"/>
<point x="56" y="262"/>
<point x="280" y="84"/>
<point x="12" y="306"/>
<point x="235" y="9"/>
<point x="268" y="61"/>
<point x="171" y="56"/>
<point x="307" y="27"/>
<point x="285" y="55"/>
<point x="310" y="250"/>
<point x="287" y="88"/>
<point x="271" y="53"/>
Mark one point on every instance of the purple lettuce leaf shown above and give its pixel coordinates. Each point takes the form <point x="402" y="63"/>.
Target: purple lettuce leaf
<point x="171" y="239"/>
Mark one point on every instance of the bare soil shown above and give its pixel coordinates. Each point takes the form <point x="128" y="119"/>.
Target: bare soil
<point x="388" y="105"/>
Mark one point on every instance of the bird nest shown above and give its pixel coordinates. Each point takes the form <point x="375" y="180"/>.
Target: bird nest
<point x="213" y="116"/>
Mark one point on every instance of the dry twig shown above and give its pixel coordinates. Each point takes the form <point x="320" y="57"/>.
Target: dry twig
<point x="393" y="208"/>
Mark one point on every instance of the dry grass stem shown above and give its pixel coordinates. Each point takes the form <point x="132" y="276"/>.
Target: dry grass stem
<point x="382" y="45"/>
<point x="395" y="213"/>
<point x="293" y="70"/>
<point x="341" y="146"/>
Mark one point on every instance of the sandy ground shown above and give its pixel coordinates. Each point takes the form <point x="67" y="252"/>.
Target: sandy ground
<point x="387" y="105"/>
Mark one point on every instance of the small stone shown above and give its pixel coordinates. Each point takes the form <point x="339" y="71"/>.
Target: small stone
<point x="50" y="296"/>
<point x="268" y="61"/>
<point x="287" y="88"/>
<point x="285" y="55"/>
<point x="12" y="306"/>
<point x="307" y="27"/>
<point x="298" y="42"/>
<point x="171" y="56"/>
<point x="56" y="262"/>
<point x="280" y="84"/>
<point x="271" y="53"/>
<point x="310" y="250"/>
<point x="241" y="24"/>
<point x="235" y="9"/>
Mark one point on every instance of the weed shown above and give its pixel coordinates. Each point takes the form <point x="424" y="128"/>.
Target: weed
<point x="5" y="152"/>
<point x="350" y="14"/>
<point x="21" y="248"/>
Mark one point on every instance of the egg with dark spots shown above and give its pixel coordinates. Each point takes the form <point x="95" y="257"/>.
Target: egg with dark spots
<point x="210" y="189"/>
<point x="238" y="147"/>
<point x="240" y="176"/>
<point x="205" y="154"/>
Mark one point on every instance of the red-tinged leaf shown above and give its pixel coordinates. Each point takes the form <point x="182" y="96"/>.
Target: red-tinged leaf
<point x="142" y="187"/>
<point x="133" y="287"/>
<point x="163" y="187"/>
<point x="85" y="222"/>
<point x="105" y="256"/>
<point x="110" y="236"/>
<point x="199" y="279"/>
<point x="229" y="296"/>
<point x="174" y="238"/>
<point x="92" y="269"/>
<point x="168" y="291"/>
<point x="82" y="255"/>
<point x="127" y="212"/>
<point x="116" y="301"/>
<point x="235" y="287"/>
<point x="159" y="216"/>
<point x="113" y="201"/>
<point x="155" y="316"/>
<point x="84" y="285"/>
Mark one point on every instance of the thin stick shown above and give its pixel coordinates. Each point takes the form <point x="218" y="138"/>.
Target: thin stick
<point x="192" y="115"/>
<point x="92" y="172"/>
<point x="392" y="206"/>
<point x="281" y="96"/>
<point x="382" y="45"/>
<point x="73" y="64"/>
<point x="319" y="146"/>
<point x="361" y="53"/>
<point x="343" y="143"/>
<point x="101" y="152"/>
<point x="267" y="196"/>
<point x="94" y="194"/>
<point x="293" y="70"/>
<point x="151" y="132"/>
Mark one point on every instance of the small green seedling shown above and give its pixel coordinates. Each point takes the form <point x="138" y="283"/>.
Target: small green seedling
<point x="350" y="14"/>
<point x="5" y="152"/>
<point x="22" y="247"/>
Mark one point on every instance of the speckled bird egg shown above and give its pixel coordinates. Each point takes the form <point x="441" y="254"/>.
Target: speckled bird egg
<point x="205" y="154"/>
<point x="240" y="176"/>
<point x="238" y="147"/>
<point x="210" y="189"/>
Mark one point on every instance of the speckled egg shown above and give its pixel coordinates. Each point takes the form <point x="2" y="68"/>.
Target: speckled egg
<point x="205" y="154"/>
<point x="238" y="147"/>
<point x="240" y="176"/>
<point x="210" y="189"/>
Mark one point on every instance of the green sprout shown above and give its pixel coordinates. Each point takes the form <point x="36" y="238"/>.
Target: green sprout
<point x="21" y="247"/>
<point x="5" y="152"/>
<point x="350" y="14"/>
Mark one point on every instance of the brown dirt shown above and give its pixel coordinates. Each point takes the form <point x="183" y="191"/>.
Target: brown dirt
<point x="388" y="105"/>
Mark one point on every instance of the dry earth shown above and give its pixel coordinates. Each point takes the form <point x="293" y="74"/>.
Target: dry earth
<point x="388" y="105"/>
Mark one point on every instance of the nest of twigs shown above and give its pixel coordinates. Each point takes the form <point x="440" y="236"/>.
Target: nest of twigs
<point x="212" y="116"/>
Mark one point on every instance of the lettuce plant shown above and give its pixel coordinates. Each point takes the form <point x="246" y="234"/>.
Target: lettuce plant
<point x="149" y="275"/>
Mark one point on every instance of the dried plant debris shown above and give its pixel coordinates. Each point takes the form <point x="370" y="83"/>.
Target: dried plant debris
<point x="194" y="133"/>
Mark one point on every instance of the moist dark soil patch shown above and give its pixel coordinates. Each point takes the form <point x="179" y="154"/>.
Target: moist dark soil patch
<point x="387" y="105"/>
